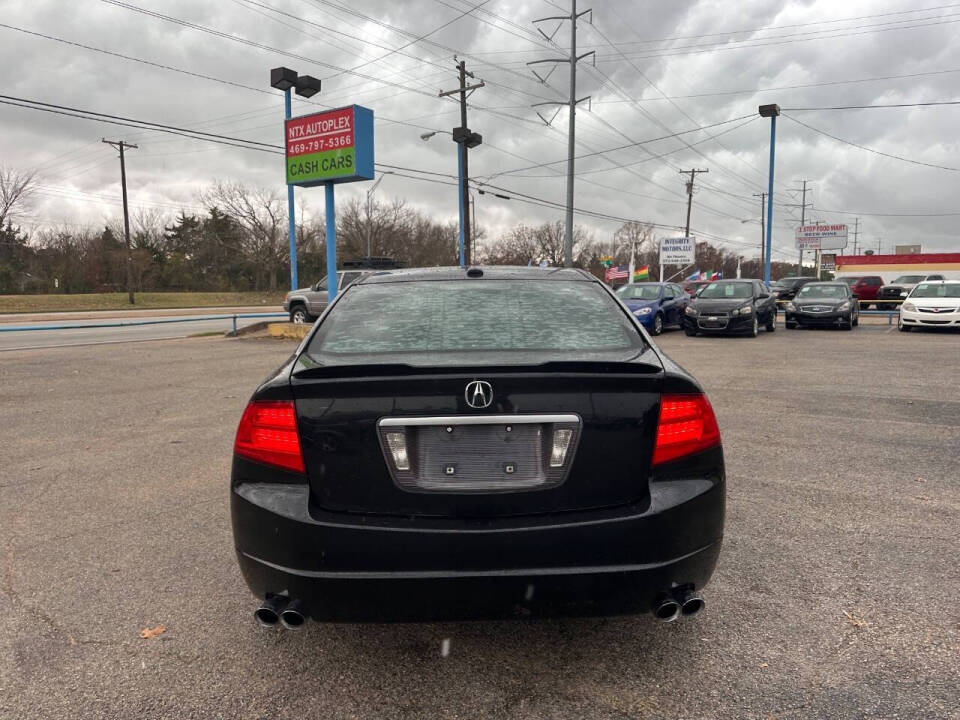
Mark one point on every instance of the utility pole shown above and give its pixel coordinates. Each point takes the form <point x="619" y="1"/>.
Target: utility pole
<point x="465" y="139"/>
<point x="763" y="213"/>
<point x="369" y="209"/>
<point x="121" y="145"/>
<point x="693" y="174"/>
<point x="856" y="234"/>
<point x="572" y="102"/>
<point x="879" y="244"/>
<point x="803" y="216"/>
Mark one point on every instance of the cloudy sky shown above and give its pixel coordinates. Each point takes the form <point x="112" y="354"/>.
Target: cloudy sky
<point x="661" y="68"/>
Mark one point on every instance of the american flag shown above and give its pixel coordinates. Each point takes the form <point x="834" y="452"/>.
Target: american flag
<point x="616" y="273"/>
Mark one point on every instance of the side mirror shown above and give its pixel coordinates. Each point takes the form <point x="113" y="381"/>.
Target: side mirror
<point x="763" y="295"/>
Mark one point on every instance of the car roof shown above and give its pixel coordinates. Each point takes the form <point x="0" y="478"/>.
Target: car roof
<point x="948" y="281"/>
<point x="829" y="282"/>
<point x="489" y="272"/>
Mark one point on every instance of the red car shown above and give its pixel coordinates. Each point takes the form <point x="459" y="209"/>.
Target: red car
<point x="864" y="287"/>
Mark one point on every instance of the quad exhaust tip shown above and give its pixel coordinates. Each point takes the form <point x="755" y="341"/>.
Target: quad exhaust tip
<point x="683" y="601"/>
<point x="666" y="608"/>
<point x="292" y="617"/>
<point x="268" y="614"/>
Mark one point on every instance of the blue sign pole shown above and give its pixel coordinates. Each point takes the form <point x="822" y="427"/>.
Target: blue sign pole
<point x="773" y="145"/>
<point x="291" y="210"/>
<point x="461" y="149"/>
<point x="331" y="216"/>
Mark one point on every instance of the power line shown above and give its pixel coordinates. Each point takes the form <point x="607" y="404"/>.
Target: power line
<point x="629" y="145"/>
<point x="766" y="28"/>
<point x="871" y="107"/>
<point x="864" y="147"/>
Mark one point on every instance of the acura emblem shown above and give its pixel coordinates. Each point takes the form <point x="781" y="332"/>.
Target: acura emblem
<point x="479" y="394"/>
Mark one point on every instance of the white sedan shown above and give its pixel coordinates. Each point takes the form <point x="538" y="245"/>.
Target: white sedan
<point x="931" y="304"/>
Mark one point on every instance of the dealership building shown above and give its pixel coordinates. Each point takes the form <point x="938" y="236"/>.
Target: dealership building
<point x="890" y="266"/>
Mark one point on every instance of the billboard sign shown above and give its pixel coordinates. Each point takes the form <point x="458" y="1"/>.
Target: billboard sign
<point x="907" y="250"/>
<point x="677" y="251"/>
<point x="828" y="261"/>
<point x="821" y="237"/>
<point x="334" y="146"/>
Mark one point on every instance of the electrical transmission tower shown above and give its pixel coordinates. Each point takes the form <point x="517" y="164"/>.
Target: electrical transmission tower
<point x="571" y="102"/>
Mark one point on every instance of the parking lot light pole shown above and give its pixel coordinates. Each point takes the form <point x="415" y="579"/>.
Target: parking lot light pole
<point x="770" y="111"/>
<point x="286" y="79"/>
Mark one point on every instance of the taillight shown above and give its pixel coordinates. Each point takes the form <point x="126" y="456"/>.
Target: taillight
<point x="687" y="425"/>
<point x="268" y="434"/>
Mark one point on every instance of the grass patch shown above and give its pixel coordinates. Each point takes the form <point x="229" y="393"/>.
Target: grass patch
<point x="144" y="301"/>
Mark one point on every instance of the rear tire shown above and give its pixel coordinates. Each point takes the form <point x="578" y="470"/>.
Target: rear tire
<point x="856" y="320"/>
<point x="903" y="328"/>
<point x="772" y="323"/>
<point x="848" y="325"/>
<point x="299" y="315"/>
<point x="690" y="332"/>
<point x="755" y="328"/>
<point x="657" y="325"/>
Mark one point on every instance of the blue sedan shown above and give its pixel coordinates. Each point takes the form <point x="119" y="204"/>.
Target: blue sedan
<point x="656" y="305"/>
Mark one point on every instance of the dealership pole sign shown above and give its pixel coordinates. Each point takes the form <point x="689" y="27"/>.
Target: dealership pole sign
<point x="326" y="148"/>
<point x="821" y="237"/>
<point x="334" y="146"/>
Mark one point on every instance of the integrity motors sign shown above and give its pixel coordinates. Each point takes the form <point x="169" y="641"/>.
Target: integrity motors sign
<point x="677" y="250"/>
<point x="330" y="147"/>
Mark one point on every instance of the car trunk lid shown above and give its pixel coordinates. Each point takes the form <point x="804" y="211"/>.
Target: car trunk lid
<point x="496" y="460"/>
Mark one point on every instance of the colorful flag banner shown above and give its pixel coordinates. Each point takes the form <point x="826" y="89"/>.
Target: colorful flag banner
<point x="641" y="273"/>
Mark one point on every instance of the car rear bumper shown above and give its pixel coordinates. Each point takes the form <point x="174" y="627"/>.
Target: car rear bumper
<point x="349" y="567"/>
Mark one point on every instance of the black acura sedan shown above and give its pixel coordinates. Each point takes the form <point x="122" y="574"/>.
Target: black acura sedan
<point x="823" y="304"/>
<point x="451" y="443"/>
<point x="731" y="307"/>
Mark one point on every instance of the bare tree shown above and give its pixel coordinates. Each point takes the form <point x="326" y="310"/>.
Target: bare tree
<point x="543" y="243"/>
<point x="16" y="193"/>
<point x="262" y="215"/>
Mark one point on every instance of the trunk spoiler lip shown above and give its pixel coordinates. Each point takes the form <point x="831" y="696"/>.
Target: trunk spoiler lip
<point x="647" y="361"/>
<point x="632" y="367"/>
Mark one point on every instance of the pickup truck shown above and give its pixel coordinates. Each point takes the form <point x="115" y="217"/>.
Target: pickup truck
<point x="892" y="294"/>
<point x="307" y="304"/>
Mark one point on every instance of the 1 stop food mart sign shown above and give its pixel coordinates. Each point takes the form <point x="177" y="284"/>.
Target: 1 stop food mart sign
<point x="334" y="146"/>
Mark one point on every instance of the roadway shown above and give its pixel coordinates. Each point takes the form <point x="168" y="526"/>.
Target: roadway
<point x="832" y="597"/>
<point x="67" y="329"/>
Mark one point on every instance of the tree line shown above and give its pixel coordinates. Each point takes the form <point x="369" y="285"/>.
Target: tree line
<point x="239" y="242"/>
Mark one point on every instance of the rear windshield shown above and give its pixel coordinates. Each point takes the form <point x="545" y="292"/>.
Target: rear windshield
<point x="936" y="290"/>
<point x="726" y="290"/>
<point x="822" y="291"/>
<point x="454" y="322"/>
<point x="908" y="279"/>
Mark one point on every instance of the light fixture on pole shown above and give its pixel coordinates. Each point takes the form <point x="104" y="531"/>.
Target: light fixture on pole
<point x="306" y="86"/>
<point x="772" y="112"/>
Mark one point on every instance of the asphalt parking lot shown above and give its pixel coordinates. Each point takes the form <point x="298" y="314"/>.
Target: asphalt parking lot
<point x="835" y="595"/>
